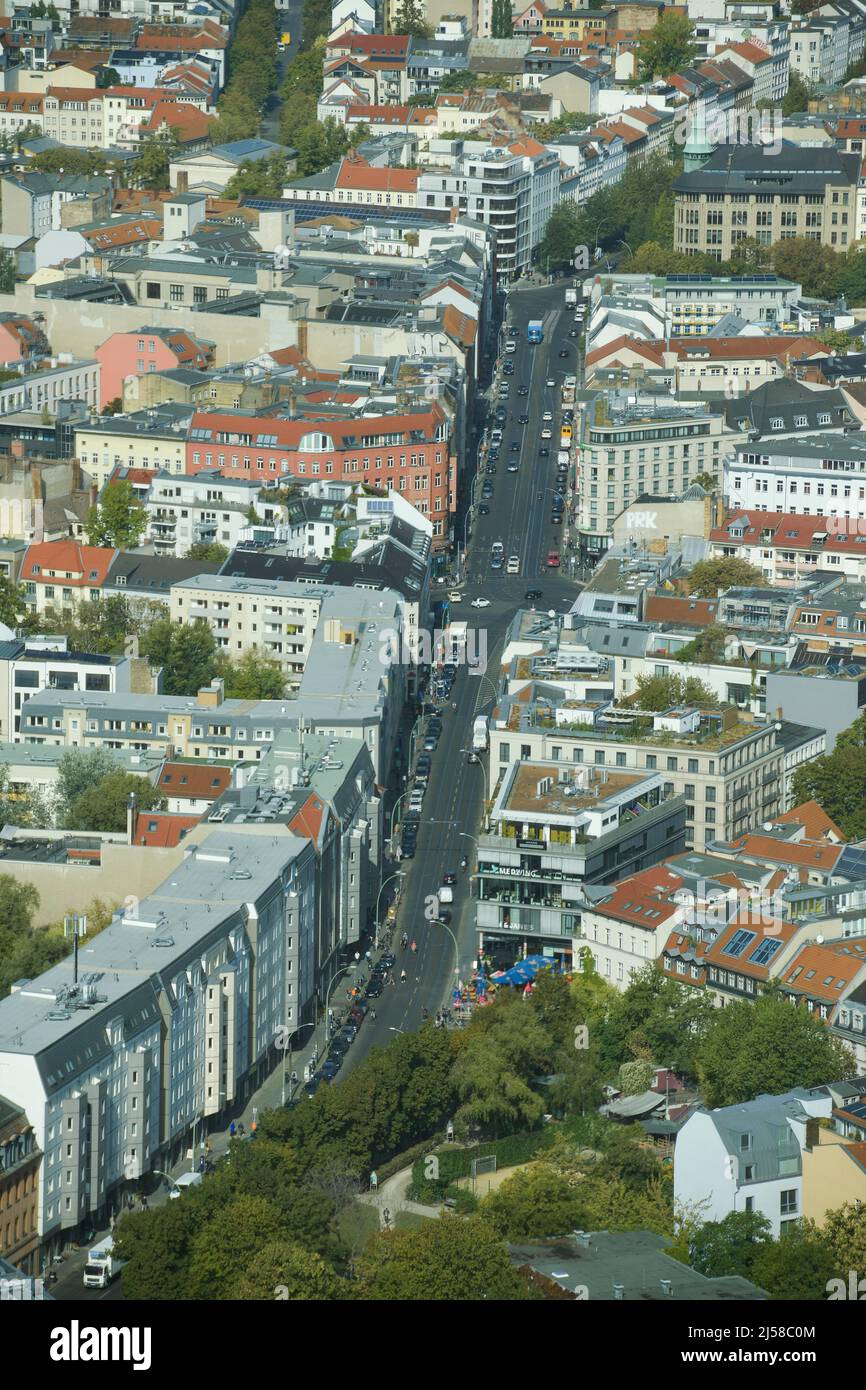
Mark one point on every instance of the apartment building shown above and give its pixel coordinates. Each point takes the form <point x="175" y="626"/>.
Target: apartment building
<point x="277" y="619"/>
<point x="692" y="305"/>
<point x="174" y="1021"/>
<point x="149" y="441"/>
<point x="183" y="512"/>
<point x="19" y="1191"/>
<point x="731" y="768"/>
<point x="147" y="350"/>
<point x="408" y="451"/>
<point x="749" y="1157"/>
<point x="511" y="188"/>
<point x="788" y="548"/>
<point x="738" y="193"/>
<point x="353" y="686"/>
<point x="46" y="391"/>
<point x="47" y="663"/>
<point x="818" y="475"/>
<point x="58" y="575"/>
<point x="630" y="449"/>
<point x="554" y="827"/>
<point x="20" y="112"/>
<point x="33" y="202"/>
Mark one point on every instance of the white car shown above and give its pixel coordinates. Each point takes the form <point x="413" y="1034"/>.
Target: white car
<point x="547" y="432"/>
<point x="454" y="596"/>
<point x="547" y="417"/>
<point x="551" y="381"/>
<point x="480" y="603"/>
<point x="513" y="566"/>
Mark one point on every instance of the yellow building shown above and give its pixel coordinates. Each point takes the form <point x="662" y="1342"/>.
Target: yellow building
<point x="834" y="1172"/>
<point x="575" y="24"/>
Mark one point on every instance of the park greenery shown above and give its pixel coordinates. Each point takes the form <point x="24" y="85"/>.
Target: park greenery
<point x="252" y="74"/>
<point x="836" y="781"/>
<point x="284" y="1211"/>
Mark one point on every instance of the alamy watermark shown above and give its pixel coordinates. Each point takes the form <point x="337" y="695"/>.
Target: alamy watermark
<point x="748" y="127"/>
<point x="423" y="647"/>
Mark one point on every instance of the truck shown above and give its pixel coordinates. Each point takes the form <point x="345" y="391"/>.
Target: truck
<point x="184" y="1182"/>
<point x="456" y="639"/>
<point x="480" y="734"/>
<point x="534" y="331"/>
<point x="570" y="297"/>
<point x="102" y="1265"/>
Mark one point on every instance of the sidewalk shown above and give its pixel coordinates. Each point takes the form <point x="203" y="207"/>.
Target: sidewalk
<point x="391" y="1197"/>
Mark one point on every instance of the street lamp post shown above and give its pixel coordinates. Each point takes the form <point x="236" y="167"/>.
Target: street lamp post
<point x="291" y="1049"/>
<point x="347" y="970"/>
<point x="627" y="247"/>
<point x="400" y="798"/>
<point x="401" y="873"/>
<point x="437" y="922"/>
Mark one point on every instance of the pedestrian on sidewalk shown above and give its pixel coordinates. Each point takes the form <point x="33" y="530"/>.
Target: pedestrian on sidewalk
<point x="232" y="1129"/>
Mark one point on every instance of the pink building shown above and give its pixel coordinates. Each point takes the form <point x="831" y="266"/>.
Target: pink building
<point x="146" y="350"/>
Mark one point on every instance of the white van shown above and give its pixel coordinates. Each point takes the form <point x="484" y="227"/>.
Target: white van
<point x="511" y="346"/>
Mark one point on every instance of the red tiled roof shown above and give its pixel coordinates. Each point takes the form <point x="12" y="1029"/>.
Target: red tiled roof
<point x="690" y="612"/>
<point x="643" y="899"/>
<point x="814" y="820"/>
<point x="194" y="781"/>
<point x="801" y="853"/>
<point x="163" y="829"/>
<point x="88" y="564"/>
<point x="357" y="173"/>
<point x="830" y="969"/>
<point x="775" y="930"/>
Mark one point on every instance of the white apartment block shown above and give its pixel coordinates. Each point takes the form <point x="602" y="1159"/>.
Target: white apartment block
<point x="815" y="475"/>
<point x="202" y="509"/>
<point x="512" y="188"/>
<point x="276" y="617"/>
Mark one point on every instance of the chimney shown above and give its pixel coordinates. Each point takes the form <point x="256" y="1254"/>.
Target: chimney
<point x="16" y="448"/>
<point x="212" y="695"/>
<point x="131" y="818"/>
<point x="182" y="185"/>
<point x="94" y="494"/>
<point x="76" y="476"/>
<point x="36" y="483"/>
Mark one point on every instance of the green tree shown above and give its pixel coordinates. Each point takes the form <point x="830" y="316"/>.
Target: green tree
<point x="156" y="154"/>
<point x="664" y="692"/>
<point x="536" y="1202"/>
<point x="799" y="93"/>
<point x="409" y="19"/>
<point x="230" y="1241"/>
<point x="186" y="653"/>
<point x="797" y="1267"/>
<point x="13" y="604"/>
<point x="502" y="20"/>
<point x="845" y="1232"/>
<point x="208" y="550"/>
<point x="669" y="45"/>
<point x="262" y="178"/>
<point x="107" y="77"/>
<point x="809" y="263"/>
<point x="254" y="677"/>
<point x="837" y="779"/>
<point x="79" y="770"/>
<point x="118" y="520"/>
<point x="286" y="1271"/>
<point x="659" y="1020"/>
<point x="103" y="807"/>
<point x="707" y="647"/>
<point x="730" y="1246"/>
<point x="709" y="578"/>
<point x="635" y="1077"/>
<point x="156" y="1246"/>
<point x="840" y="342"/>
<point x="451" y="1260"/>
<point x="8" y="272"/>
<point x="767" y="1047"/>
<point x="25" y="951"/>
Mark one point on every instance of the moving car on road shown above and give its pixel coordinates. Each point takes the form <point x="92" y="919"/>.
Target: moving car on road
<point x="482" y="602"/>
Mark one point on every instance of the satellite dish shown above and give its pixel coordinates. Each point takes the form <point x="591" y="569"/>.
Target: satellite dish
<point x="819" y="940"/>
<point x="551" y="612"/>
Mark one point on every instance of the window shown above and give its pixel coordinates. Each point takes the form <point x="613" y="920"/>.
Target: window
<point x="788" y="1202"/>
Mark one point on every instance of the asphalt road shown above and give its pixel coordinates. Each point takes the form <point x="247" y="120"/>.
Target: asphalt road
<point x="452" y="810"/>
<point x="291" y="19"/>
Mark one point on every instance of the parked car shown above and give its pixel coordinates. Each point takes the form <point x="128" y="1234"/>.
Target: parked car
<point x="374" y="989"/>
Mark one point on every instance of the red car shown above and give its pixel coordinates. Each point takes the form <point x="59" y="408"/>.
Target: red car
<point x="553" y="559"/>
